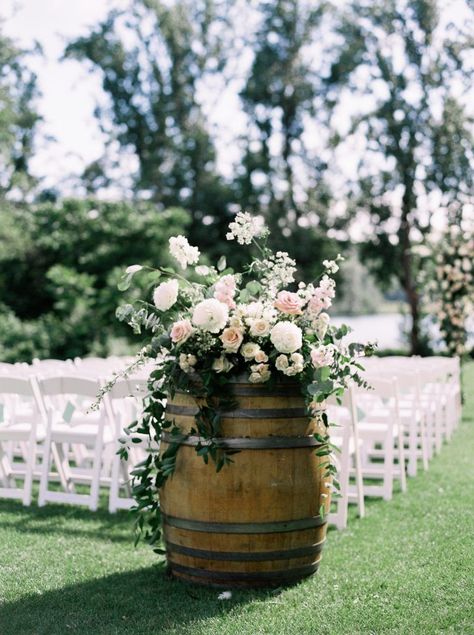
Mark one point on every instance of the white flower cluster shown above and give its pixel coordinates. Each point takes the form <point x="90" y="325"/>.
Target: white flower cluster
<point x="331" y="266"/>
<point x="451" y="288"/>
<point x="245" y="228"/>
<point x="187" y="362"/>
<point x="290" y="365"/>
<point x="165" y="295"/>
<point x="182" y="251"/>
<point x="278" y="271"/>
<point x="212" y="327"/>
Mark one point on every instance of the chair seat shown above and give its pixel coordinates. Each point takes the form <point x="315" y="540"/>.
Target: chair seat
<point x="82" y="433"/>
<point x="20" y="432"/>
<point x="375" y="429"/>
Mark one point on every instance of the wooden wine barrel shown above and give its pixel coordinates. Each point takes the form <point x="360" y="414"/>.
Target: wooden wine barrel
<point x="256" y="522"/>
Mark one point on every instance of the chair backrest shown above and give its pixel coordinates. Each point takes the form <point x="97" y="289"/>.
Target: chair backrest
<point x="70" y="395"/>
<point x="18" y="399"/>
<point x="124" y="401"/>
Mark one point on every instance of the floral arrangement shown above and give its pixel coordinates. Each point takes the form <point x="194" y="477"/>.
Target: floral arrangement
<point x="449" y="286"/>
<point x="215" y="324"/>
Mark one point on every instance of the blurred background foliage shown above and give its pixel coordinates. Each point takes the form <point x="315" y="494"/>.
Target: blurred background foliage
<point x="409" y="70"/>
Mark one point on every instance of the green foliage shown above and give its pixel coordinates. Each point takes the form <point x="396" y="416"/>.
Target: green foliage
<point x="399" y="56"/>
<point x="18" y="118"/>
<point x="60" y="268"/>
<point x="151" y="57"/>
<point x="279" y="174"/>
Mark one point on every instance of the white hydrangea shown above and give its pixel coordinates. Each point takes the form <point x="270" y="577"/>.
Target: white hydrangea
<point x="182" y="251"/>
<point x="286" y="337"/>
<point x="165" y="295"/>
<point x="210" y="315"/>
<point x="245" y="228"/>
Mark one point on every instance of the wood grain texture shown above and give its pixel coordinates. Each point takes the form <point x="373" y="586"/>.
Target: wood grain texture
<point x="256" y="522"/>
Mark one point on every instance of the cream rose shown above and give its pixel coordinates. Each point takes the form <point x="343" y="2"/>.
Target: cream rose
<point x="286" y="337"/>
<point x="260" y="373"/>
<point x="210" y="315"/>
<point x="181" y="331"/>
<point x="281" y="363"/>
<point x="261" y="357"/>
<point x="259" y="327"/>
<point x="249" y="350"/>
<point x="165" y="295"/>
<point x="289" y="303"/>
<point x="231" y="339"/>
<point x="222" y="364"/>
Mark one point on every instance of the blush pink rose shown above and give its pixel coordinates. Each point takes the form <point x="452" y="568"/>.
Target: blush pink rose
<point x="224" y="290"/>
<point x="289" y="303"/>
<point x="181" y="331"/>
<point x="231" y="339"/>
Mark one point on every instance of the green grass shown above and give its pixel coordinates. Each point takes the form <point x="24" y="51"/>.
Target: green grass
<point x="408" y="567"/>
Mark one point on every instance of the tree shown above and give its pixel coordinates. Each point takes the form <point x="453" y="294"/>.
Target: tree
<point x="280" y="175"/>
<point x="18" y="119"/>
<point x="152" y="57"/>
<point x="59" y="275"/>
<point x="410" y="73"/>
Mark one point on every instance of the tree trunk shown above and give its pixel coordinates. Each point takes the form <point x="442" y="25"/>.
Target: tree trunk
<point x="407" y="273"/>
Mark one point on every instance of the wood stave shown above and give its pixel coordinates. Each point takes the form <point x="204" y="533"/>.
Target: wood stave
<point x="256" y="570"/>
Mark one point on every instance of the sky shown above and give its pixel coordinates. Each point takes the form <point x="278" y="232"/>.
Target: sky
<point x="69" y="93"/>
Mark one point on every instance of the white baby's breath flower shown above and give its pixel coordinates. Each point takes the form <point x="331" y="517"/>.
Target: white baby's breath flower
<point x="165" y="295"/>
<point x="182" y="251"/>
<point x="245" y="228"/>
<point x="210" y="315"/>
<point x="331" y="266"/>
<point x="286" y="337"/>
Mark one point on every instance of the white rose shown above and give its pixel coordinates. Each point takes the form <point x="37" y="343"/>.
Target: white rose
<point x="253" y="310"/>
<point x="210" y="315"/>
<point x="281" y="363"/>
<point x="222" y="364"/>
<point x="297" y="359"/>
<point x="259" y="327"/>
<point x="249" y="350"/>
<point x="236" y="322"/>
<point x="286" y="337"/>
<point x="260" y="373"/>
<point x="165" y="295"/>
<point x="261" y="357"/>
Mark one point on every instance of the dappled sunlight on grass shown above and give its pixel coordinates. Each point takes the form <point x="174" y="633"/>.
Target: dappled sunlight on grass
<point x="408" y="567"/>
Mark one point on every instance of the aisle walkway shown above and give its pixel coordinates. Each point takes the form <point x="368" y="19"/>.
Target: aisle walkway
<point x="406" y="568"/>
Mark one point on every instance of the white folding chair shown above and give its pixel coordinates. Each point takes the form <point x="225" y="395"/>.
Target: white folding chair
<point x="344" y="434"/>
<point x="66" y="400"/>
<point x="381" y="433"/>
<point x="20" y="431"/>
<point x="124" y="404"/>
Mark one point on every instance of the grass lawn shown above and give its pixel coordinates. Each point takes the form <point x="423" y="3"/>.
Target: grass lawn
<point x="408" y="567"/>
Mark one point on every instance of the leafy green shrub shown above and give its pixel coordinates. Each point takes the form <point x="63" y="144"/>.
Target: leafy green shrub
<point x="60" y="267"/>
